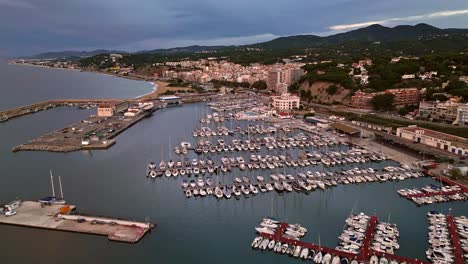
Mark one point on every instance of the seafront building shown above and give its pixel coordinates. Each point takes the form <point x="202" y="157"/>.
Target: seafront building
<point x="285" y="101"/>
<point x="435" y="139"/>
<point x="110" y="109"/>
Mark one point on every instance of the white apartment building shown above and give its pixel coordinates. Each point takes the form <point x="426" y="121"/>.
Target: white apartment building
<point x="285" y="102"/>
<point x="462" y="115"/>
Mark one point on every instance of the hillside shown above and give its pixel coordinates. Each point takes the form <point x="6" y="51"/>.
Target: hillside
<point x="320" y="92"/>
<point x="420" y="36"/>
<point x="188" y="49"/>
<point x="70" y="54"/>
<point x="373" y="33"/>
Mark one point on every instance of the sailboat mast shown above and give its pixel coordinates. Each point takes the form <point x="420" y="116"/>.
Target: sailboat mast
<point x="60" y="184"/>
<point x="52" y="183"/>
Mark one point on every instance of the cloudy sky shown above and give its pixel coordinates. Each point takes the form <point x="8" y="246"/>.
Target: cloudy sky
<point x="33" y="26"/>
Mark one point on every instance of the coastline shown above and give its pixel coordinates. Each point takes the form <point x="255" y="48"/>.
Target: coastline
<point x="133" y="78"/>
<point x="158" y="87"/>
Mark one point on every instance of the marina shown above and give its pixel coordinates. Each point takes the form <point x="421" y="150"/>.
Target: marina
<point x="448" y="238"/>
<point x="133" y="196"/>
<point x="357" y="246"/>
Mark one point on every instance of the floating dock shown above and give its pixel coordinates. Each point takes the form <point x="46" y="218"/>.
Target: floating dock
<point x="455" y="240"/>
<point x="462" y="191"/>
<point x="365" y="252"/>
<point x="35" y="215"/>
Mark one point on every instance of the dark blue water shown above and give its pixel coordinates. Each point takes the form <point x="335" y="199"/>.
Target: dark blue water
<point x="196" y="230"/>
<point x="22" y="85"/>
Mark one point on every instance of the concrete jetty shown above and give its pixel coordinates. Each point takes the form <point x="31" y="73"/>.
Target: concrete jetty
<point x="100" y="132"/>
<point x="33" y="214"/>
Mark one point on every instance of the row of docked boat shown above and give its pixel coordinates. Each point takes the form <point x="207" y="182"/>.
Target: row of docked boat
<point x="257" y="162"/>
<point x="298" y="251"/>
<point x="385" y="238"/>
<point x="270" y="227"/>
<point x="440" y="245"/>
<point x="461" y="222"/>
<point x="353" y="235"/>
<point x="270" y="143"/>
<point x="224" y="131"/>
<point x="278" y="182"/>
<point x="284" y="238"/>
<point x="375" y="260"/>
<point x="434" y="194"/>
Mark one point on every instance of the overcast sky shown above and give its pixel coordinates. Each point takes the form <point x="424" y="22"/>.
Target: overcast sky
<point x="33" y="26"/>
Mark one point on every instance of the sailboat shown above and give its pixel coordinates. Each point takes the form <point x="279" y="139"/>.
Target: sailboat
<point x="53" y="199"/>
<point x="60" y="199"/>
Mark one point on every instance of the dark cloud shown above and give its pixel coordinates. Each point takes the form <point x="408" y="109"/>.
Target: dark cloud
<point x="32" y="26"/>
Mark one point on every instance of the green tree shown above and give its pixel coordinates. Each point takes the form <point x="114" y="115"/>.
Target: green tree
<point x="383" y="102"/>
<point x="294" y="87"/>
<point x="332" y="89"/>
<point x="455" y="173"/>
<point x="260" y="85"/>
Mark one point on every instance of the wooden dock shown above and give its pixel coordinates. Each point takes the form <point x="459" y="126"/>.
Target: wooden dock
<point x="33" y="214"/>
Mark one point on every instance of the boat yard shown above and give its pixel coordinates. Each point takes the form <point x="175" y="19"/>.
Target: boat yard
<point x="54" y="217"/>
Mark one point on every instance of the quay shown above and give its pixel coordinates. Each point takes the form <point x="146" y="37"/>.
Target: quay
<point x="455" y="240"/>
<point x="92" y="133"/>
<point x="34" y="215"/>
<point x="48" y="104"/>
<point x="365" y="252"/>
<point x="45" y="105"/>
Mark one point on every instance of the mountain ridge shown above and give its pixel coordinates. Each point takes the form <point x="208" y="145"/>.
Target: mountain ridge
<point x="372" y="33"/>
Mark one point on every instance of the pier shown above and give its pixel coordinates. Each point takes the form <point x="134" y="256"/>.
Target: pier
<point x="365" y="251"/>
<point x="45" y="105"/>
<point x="455" y="240"/>
<point x="458" y="192"/>
<point x="35" y="215"/>
<point x="92" y="133"/>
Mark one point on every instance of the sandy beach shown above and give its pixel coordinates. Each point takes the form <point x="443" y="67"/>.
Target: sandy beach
<point x="160" y="88"/>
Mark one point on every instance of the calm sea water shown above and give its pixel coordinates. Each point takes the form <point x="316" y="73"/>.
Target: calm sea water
<point x="22" y="84"/>
<point x="196" y="230"/>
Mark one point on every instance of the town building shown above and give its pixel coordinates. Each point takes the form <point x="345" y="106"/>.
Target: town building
<point x="362" y="100"/>
<point x="285" y="101"/>
<point x="406" y="96"/>
<point x="462" y="115"/>
<point x="449" y="112"/>
<point x="435" y="139"/>
<point x="110" y="109"/>
<point x="319" y="122"/>
<point x="275" y="77"/>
